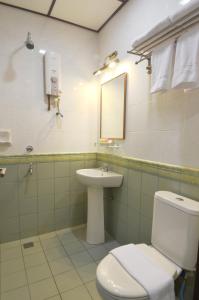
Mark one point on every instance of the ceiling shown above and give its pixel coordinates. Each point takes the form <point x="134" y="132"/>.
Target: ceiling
<point x="89" y="14"/>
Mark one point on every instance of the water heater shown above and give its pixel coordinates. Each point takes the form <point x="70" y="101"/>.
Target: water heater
<point x="53" y="74"/>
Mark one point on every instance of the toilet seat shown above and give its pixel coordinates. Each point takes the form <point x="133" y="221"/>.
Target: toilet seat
<point x="114" y="282"/>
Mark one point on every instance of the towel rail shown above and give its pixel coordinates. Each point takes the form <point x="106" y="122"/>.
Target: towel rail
<point x="144" y="49"/>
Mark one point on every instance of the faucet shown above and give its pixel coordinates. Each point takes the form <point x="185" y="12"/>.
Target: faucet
<point x="30" y="170"/>
<point x="104" y="168"/>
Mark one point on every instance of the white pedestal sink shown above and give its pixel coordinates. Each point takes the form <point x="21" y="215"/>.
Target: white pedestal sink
<point x="96" y="180"/>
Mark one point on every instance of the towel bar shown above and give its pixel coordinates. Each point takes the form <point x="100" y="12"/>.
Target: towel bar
<point x="174" y="31"/>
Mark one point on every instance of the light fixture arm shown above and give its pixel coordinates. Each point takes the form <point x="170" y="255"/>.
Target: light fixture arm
<point x="109" y="59"/>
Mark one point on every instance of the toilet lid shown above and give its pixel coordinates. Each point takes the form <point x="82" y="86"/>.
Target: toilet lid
<point x="114" y="278"/>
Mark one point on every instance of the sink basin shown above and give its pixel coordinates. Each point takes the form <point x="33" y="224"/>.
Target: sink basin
<point x="98" y="177"/>
<point x="96" y="180"/>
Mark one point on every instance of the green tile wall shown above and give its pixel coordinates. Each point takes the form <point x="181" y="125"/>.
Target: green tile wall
<point x="129" y="209"/>
<point x="49" y="199"/>
<point x="52" y="198"/>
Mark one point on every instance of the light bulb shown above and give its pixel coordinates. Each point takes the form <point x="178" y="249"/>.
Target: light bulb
<point x="97" y="72"/>
<point x="42" y="51"/>
<point x="112" y="64"/>
<point x="184" y="2"/>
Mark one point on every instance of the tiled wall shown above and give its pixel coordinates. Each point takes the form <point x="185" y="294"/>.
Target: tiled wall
<point x="160" y="127"/>
<point x="49" y="199"/>
<point x="23" y="101"/>
<point x="52" y="198"/>
<point x="129" y="209"/>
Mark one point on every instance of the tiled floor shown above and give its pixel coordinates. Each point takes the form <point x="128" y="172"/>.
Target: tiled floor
<point x="61" y="265"/>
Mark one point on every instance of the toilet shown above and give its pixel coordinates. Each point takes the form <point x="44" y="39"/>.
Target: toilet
<point x="174" y="246"/>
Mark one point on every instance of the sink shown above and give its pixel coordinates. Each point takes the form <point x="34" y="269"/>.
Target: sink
<point x="96" y="180"/>
<point x="98" y="177"/>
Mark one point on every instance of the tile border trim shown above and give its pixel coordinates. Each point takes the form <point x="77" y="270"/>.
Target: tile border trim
<point x="27" y="158"/>
<point x="173" y="172"/>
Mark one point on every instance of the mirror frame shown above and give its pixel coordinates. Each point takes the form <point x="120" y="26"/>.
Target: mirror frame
<point x="124" y="112"/>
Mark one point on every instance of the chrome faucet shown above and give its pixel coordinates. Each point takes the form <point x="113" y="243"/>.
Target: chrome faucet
<point x="30" y="170"/>
<point x="104" y="168"/>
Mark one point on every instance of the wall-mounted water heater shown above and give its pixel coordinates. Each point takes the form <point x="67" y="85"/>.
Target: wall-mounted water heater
<point x="52" y="75"/>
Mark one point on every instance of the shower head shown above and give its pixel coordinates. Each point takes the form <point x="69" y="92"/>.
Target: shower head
<point x="29" y="43"/>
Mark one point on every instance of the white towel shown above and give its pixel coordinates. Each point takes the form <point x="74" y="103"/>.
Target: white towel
<point x="152" y="32"/>
<point x="162" y="67"/>
<point x="186" y="68"/>
<point x="184" y="12"/>
<point x="158" y="284"/>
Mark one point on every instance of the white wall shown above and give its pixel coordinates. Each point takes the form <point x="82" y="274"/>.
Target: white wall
<point x="159" y="128"/>
<point x="22" y="103"/>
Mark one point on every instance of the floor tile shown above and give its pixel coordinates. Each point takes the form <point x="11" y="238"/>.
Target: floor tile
<point x="87" y="245"/>
<point x="10" y="245"/>
<point x="73" y="247"/>
<point x="33" y="239"/>
<point x="88" y="272"/>
<point x="43" y="289"/>
<point x="47" y="236"/>
<point x="80" y="233"/>
<point x="55" y="298"/>
<point x="91" y="286"/>
<point x="38" y="273"/>
<point x="12" y="266"/>
<point x="51" y="243"/>
<point x="19" y="294"/>
<point x="65" y="253"/>
<point x="111" y="245"/>
<point x="67" y="281"/>
<point x="13" y="281"/>
<point x="55" y="253"/>
<point x="98" y="261"/>
<point x="34" y="259"/>
<point x="67" y="237"/>
<point x="81" y="259"/>
<point x="11" y="253"/>
<point x="60" y="265"/>
<point x="61" y="232"/>
<point x="98" y="252"/>
<point x="76" y="294"/>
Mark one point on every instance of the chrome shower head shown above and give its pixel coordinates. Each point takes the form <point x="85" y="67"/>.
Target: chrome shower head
<point x="29" y="43"/>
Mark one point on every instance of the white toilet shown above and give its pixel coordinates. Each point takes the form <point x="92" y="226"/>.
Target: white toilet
<point x="175" y="235"/>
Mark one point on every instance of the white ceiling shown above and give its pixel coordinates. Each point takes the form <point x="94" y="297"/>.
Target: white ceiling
<point x="91" y="14"/>
<point x="41" y="6"/>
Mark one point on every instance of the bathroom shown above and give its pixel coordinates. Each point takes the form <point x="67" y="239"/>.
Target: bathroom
<point x="53" y="237"/>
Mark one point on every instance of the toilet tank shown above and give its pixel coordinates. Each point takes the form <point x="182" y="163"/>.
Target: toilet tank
<point x="175" y="230"/>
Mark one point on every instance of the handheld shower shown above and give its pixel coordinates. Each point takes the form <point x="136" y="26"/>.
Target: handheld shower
<point x="29" y="43"/>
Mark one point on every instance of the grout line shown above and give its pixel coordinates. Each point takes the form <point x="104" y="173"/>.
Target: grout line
<point x="26" y="285"/>
<point x="83" y="283"/>
<point x="75" y="268"/>
<point x="26" y="273"/>
<point x="50" y="269"/>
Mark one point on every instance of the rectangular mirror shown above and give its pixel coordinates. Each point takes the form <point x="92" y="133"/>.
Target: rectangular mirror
<point x="113" y="108"/>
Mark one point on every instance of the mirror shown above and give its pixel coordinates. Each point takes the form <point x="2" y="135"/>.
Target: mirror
<point x="113" y="108"/>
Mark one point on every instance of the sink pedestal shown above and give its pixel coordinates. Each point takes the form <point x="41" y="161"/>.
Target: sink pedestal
<point x="95" y="216"/>
<point x="96" y="180"/>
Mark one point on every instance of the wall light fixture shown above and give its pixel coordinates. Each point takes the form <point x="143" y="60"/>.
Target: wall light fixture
<point x="110" y="62"/>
